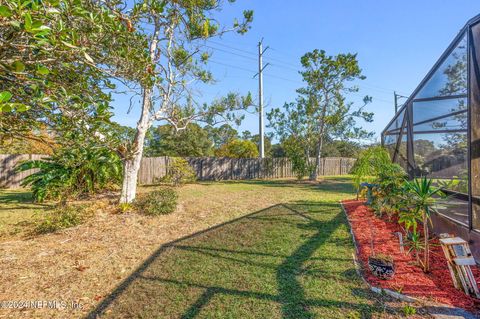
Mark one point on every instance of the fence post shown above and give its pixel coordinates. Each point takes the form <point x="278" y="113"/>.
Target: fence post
<point x="205" y="168"/>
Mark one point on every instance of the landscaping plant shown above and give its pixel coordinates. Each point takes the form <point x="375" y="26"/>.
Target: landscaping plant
<point x="158" y="202"/>
<point x="72" y="172"/>
<point x="409" y="310"/>
<point x="421" y="197"/>
<point x="388" y="189"/>
<point x="179" y="173"/>
<point x="369" y="164"/>
<point x="60" y="218"/>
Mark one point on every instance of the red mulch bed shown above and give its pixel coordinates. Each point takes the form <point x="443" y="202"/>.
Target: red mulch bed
<point x="409" y="279"/>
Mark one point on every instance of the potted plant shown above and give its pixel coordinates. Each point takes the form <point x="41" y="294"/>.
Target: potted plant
<point x="381" y="265"/>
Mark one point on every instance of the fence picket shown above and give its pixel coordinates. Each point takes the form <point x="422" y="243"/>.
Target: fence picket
<point x="154" y="168"/>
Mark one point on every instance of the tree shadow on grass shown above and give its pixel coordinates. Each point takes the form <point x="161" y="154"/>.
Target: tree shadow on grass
<point x="254" y="266"/>
<point x="15" y="197"/>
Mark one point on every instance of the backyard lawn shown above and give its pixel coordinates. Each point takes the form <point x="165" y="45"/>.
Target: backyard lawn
<point x="250" y="249"/>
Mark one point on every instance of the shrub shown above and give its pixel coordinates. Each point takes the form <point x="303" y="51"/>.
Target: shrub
<point x="368" y="165"/>
<point x="179" y="173"/>
<point x="238" y="149"/>
<point x="60" y="218"/>
<point x="295" y="151"/>
<point x="388" y="188"/>
<point x="73" y="172"/>
<point x="158" y="202"/>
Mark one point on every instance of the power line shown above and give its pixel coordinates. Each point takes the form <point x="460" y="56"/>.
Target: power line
<point x="232" y="66"/>
<point x="254" y="72"/>
<point x="286" y="65"/>
<point x="284" y="79"/>
<point x="233" y="53"/>
<point x="278" y="63"/>
<point x="282" y="66"/>
<point x="233" y="48"/>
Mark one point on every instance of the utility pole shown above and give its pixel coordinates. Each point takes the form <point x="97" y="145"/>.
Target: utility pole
<point x="261" y="67"/>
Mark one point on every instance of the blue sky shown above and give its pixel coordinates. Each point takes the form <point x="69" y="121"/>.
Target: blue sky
<point x="397" y="43"/>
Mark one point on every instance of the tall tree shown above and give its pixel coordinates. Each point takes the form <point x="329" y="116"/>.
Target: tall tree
<point x="321" y="109"/>
<point x="174" y="59"/>
<point x="222" y="134"/>
<point x="164" y="140"/>
<point x="339" y="148"/>
<point x="294" y="124"/>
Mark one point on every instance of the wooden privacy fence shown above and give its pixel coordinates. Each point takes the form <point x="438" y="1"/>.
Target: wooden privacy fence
<point x="153" y="169"/>
<point x="9" y="177"/>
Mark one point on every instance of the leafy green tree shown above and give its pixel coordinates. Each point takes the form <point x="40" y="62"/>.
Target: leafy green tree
<point x="221" y="135"/>
<point x="321" y="110"/>
<point x="164" y="140"/>
<point x="238" y="149"/>
<point x="247" y="135"/>
<point x="278" y="150"/>
<point x="295" y="151"/>
<point x="173" y="57"/>
<point x="369" y="164"/>
<point x="341" y="148"/>
<point x="295" y="128"/>
<point x="48" y="80"/>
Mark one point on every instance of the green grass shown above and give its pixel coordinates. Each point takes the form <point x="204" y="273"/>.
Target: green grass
<point x="291" y="260"/>
<point x="17" y="210"/>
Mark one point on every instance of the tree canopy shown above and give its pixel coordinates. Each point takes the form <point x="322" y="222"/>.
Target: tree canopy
<point x="320" y="111"/>
<point x="48" y="80"/>
<point x="238" y="149"/>
<point x="164" y="140"/>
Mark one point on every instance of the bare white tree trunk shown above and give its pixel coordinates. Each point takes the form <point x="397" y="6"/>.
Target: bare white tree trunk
<point x="314" y="172"/>
<point x="134" y="158"/>
<point x="129" y="185"/>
